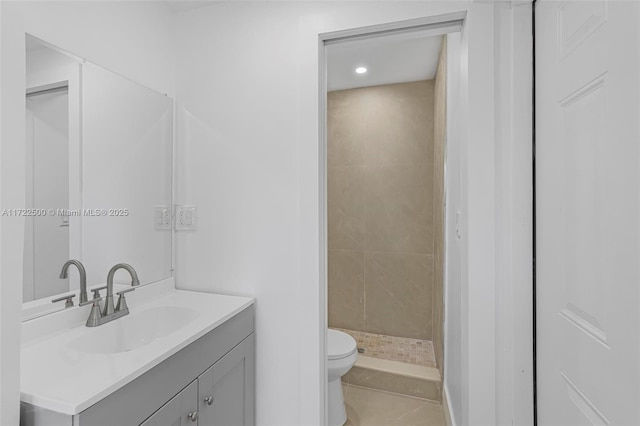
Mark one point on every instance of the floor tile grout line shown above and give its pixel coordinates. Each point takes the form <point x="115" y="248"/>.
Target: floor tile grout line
<point x="399" y="395"/>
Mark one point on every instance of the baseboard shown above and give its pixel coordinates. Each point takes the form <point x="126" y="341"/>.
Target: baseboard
<point x="447" y="409"/>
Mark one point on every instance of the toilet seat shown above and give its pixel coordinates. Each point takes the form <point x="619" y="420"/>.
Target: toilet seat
<point x="340" y="345"/>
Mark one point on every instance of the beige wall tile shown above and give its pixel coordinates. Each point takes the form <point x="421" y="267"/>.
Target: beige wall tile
<point x="346" y="289"/>
<point x="399" y="125"/>
<point x="346" y="114"/>
<point x="385" y="172"/>
<point x="399" y="293"/>
<point x="399" y="208"/>
<point x="345" y="207"/>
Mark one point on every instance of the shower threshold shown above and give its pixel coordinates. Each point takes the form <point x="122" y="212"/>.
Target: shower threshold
<point x="395" y="364"/>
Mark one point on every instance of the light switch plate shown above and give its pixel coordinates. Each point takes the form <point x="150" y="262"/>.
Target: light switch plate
<point x="162" y="218"/>
<point x="186" y="218"/>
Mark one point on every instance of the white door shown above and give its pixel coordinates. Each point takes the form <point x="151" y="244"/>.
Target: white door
<point x="588" y="183"/>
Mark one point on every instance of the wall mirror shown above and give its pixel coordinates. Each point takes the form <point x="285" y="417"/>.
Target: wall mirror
<point x="98" y="176"/>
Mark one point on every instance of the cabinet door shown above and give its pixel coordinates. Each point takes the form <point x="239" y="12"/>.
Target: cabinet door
<point x="226" y="390"/>
<point x="178" y="411"/>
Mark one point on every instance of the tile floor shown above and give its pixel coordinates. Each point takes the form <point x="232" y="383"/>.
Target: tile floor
<point x="402" y="349"/>
<point x="369" y="407"/>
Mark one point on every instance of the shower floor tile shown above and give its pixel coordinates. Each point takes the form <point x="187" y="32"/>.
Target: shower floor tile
<point x="392" y="348"/>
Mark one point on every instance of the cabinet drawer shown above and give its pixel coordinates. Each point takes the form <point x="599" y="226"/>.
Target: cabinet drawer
<point x="178" y="411"/>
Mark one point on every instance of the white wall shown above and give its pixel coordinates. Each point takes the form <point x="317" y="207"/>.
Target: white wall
<point x="134" y="39"/>
<point x="489" y="323"/>
<point x="514" y="213"/>
<point x="489" y="327"/>
<point x="479" y="220"/>
<point x="12" y="126"/>
<point x="247" y="86"/>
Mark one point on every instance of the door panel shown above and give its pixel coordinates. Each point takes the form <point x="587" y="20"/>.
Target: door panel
<point x="587" y="212"/>
<point x="226" y="389"/>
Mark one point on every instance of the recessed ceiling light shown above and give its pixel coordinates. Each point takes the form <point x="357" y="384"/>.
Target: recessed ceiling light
<point x="361" y="70"/>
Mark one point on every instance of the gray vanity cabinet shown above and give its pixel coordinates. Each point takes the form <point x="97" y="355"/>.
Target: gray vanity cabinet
<point x="219" y="365"/>
<point x="179" y="411"/>
<point x="221" y="396"/>
<point x="226" y="389"/>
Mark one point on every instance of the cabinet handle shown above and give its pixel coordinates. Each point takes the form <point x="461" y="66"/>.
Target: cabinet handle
<point x="193" y="416"/>
<point x="209" y="400"/>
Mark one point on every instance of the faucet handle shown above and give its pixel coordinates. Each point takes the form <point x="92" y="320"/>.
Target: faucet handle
<point x="122" y="302"/>
<point x="96" y="291"/>
<point x="95" y="300"/>
<point x="68" y="298"/>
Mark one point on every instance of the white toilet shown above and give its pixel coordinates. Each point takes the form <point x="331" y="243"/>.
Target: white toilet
<point x="342" y="355"/>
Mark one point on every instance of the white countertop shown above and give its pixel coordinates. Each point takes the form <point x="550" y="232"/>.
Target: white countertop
<point x="61" y="379"/>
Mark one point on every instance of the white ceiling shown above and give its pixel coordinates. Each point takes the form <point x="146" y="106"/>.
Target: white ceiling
<point x="389" y="60"/>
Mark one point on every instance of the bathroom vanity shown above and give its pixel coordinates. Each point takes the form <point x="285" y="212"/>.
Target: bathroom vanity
<point x="179" y="358"/>
<point x="102" y="196"/>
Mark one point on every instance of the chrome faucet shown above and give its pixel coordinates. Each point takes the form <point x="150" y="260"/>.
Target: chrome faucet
<point x="108" y="303"/>
<point x="108" y="313"/>
<point x="83" y="276"/>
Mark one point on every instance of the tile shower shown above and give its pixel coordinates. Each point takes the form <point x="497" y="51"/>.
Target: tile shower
<point x="385" y="231"/>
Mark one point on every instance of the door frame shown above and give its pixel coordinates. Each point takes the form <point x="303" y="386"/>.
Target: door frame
<point x="429" y="26"/>
<point x="496" y="278"/>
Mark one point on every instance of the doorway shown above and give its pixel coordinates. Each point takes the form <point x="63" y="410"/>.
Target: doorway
<point x="488" y="334"/>
<point x="384" y="212"/>
<point x="47" y="178"/>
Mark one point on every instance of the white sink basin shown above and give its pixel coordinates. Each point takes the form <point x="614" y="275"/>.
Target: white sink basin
<point x="134" y="330"/>
<point x="67" y="367"/>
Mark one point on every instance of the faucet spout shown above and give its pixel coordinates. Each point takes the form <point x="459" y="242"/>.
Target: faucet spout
<point x="83" y="276"/>
<point x="108" y="304"/>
